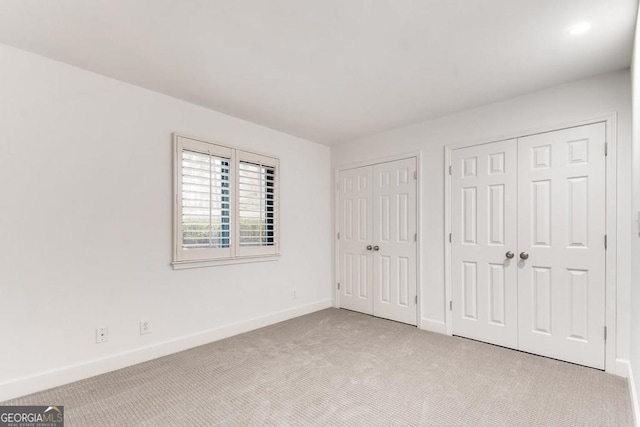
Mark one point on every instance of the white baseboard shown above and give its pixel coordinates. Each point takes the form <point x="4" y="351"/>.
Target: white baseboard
<point x="68" y="374"/>
<point x="633" y="394"/>
<point x="437" y="326"/>
<point x="622" y="368"/>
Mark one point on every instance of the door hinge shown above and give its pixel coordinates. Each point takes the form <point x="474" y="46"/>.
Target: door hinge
<point x="605" y="333"/>
<point x="415" y="175"/>
<point x="416" y="299"/>
<point x="606" y="148"/>
<point x="338" y="285"/>
<point x="450" y="305"/>
<point x="450" y="238"/>
<point x="338" y="236"/>
<point x="605" y="241"/>
<point x="415" y="237"/>
<point x="450" y="169"/>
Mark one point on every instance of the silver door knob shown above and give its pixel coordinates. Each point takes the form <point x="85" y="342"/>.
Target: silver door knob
<point x="509" y="255"/>
<point x="376" y="248"/>
<point x="524" y="255"/>
<point x="369" y="247"/>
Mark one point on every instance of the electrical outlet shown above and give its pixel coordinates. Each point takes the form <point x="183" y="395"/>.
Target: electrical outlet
<point x="102" y="334"/>
<point x="293" y="294"/>
<point x="145" y="327"/>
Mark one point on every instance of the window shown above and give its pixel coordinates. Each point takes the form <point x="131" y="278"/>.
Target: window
<point x="226" y="204"/>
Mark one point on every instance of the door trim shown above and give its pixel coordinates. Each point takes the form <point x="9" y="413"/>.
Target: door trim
<point x="336" y="222"/>
<point x="612" y="365"/>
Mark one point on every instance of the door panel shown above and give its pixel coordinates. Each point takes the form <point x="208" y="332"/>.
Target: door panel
<point x="356" y="266"/>
<point x="561" y="219"/>
<point x="484" y="228"/>
<point x="378" y="209"/>
<point x="395" y="226"/>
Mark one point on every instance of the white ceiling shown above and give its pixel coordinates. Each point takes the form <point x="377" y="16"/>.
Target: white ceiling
<point x="329" y="70"/>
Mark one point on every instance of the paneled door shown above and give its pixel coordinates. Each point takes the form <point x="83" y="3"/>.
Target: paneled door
<point x="528" y="244"/>
<point x="356" y="237"/>
<point x="394" y="237"/>
<point x="561" y="223"/>
<point x="377" y="242"/>
<point x="484" y="243"/>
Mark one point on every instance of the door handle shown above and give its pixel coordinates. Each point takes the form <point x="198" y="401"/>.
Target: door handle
<point x="509" y="255"/>
<point x="369" y="247"/>
<point x="524" y="255"/>
<point x="376" y="248"/>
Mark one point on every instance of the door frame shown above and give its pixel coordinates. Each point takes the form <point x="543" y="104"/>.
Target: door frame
<point x="612" y="365"/>
<point x="336" y="221"/>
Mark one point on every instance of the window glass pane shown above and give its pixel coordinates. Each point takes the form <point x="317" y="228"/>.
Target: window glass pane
<point x="256" y="204"/>
<point x="206" y="201"/>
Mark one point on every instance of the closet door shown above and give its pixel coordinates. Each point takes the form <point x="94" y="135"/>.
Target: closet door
<point x="484" y="243"/>
<point x="561" y="260"/>
<point x="356" y="239"/>
<point x="394" y="237"/>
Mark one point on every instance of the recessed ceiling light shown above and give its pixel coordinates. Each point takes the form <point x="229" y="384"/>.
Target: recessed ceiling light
<point x="580" y="28"/>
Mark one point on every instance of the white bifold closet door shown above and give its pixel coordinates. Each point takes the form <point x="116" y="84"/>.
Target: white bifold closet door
<point x="378" y="248"/>
<point x="561" y="223"/>
<point x="528" y="249"/>
<point x="484" y="229"/>
<point x="356" y="235"/>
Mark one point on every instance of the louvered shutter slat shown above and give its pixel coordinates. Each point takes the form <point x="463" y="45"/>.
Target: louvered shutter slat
<point x="206" y="201"/>
<point x="256" y="204"/>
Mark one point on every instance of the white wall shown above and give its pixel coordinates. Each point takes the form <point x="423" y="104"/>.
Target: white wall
<point x="635" y="228"/>
<point x="570" y="102"/>
<point x="85" y="172"/>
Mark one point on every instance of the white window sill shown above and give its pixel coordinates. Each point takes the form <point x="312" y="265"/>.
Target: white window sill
<point x="183" y="265"/>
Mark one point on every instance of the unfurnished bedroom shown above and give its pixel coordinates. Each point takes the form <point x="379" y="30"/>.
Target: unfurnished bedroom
<point x="319" y="213"/>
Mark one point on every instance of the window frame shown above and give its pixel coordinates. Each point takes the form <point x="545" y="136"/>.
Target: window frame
<point x="235" y="254"/>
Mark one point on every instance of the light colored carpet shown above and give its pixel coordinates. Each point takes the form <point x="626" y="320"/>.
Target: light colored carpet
<point x="336" y="367"/>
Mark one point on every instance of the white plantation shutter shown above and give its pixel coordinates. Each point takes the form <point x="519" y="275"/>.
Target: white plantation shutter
<point x="257" y="204"/>
<point x="205" y="201"/>
<point x="226" y="204"/>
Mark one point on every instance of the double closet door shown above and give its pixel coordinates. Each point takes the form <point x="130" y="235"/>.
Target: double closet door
<point x="528" y="244"/>
<point x="377" y="241"/>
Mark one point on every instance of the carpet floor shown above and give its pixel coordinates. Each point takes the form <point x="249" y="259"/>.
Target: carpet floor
<point x="336" y="367"/>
